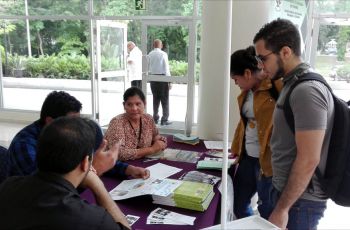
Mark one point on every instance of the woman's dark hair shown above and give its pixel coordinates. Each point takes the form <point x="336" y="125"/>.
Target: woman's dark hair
<point x="64" y="143"/>
<point x="58" y="104"/>
<point x="243" y="59"/>
<point x="132" y="91"/>
<point x="279" y="33"/>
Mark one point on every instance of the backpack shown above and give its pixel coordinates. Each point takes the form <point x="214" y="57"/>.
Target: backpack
<point x="336" y="179"/>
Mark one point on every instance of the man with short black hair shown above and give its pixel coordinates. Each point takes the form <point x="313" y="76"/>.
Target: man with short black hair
<point x="48" y="199"/>
<point x="298" y="199"/>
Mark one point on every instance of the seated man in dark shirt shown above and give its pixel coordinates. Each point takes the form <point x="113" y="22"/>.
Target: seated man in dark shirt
<point x="48" y="199"/>
<point x="22" y="150"/>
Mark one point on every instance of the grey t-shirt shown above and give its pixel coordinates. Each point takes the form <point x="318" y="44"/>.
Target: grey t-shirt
<point x="313" y="109"/>
<point x="251" y="134"/>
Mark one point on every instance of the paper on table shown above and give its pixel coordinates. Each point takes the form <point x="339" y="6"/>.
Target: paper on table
<point x="138" y="187"/>
<point x="131" y="188"/>
<point x="163" y="216"/>
<point x="161" y="171"/>
<point x="131" y="219"/>
<point x="164" y="187"/>
<point x="215" y="144"/>
<point x="156" y="183"/>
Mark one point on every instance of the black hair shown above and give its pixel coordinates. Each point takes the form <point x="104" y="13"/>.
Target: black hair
<point x="58" y="104"/>
<point x="64" y="143"/>
<point x="132" y="91"/>
<point x="279" y="33"/>
<point x="243" y="59"/>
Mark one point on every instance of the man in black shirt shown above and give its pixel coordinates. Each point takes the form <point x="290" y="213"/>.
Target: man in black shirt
<point x="49" y="199"/>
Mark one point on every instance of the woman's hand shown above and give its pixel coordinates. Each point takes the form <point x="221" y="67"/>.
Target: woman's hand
<point x="158" y="145"/>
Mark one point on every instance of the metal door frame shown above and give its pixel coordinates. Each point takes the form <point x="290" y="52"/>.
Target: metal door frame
<point x="188" y="79"/>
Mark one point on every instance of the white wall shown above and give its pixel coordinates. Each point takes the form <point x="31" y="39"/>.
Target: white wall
<point x="248" y="17"/>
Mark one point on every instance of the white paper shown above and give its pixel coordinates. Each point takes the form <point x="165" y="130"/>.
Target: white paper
<point x="230" y="161"/>
<point x="138" y="187"/>
<point x="163" y="216"/>
<point x="131" y="188"/>
<point x="131" y="219"/>
<point x="215" y="144"/>
<point x="161" y="171"/>
<point x="164" y="187"/>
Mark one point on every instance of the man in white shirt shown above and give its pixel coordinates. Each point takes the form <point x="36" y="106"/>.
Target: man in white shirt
<point x="159" y="65"/>
<point x="135" y="65"/>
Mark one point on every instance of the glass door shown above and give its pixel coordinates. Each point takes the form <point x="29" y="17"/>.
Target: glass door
<point x="181" y="54"/>
<point x="331" y="53"/>
<point x="111" y="70"/>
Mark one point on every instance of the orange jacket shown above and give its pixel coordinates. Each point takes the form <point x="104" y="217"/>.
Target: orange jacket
<point x="264" y="105"/>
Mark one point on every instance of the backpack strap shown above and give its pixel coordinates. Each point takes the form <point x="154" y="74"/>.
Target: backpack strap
<point x="310" y="76"/>
<point x="273" y="91"/>
<point x="288" y="113"/>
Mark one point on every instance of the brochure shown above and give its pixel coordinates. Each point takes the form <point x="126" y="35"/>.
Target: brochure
<point x="213" y="163"/>
<point x="177" y="155"/>
<point x="157" y="183"/>
<point x="163" y="216"/>
<point x="197" y="176"/>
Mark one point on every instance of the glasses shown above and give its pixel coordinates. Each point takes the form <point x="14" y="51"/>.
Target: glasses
<point x="262" y="58"/>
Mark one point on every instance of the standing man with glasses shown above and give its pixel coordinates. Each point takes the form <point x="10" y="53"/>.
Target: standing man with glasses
<point x="295" y="153"/>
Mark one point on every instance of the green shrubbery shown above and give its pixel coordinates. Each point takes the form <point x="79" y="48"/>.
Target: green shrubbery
<point x="59" y="67"/>
<point x="344" y="72"/>
<point x="179" y="68"/>
<point x="73" y="66"/>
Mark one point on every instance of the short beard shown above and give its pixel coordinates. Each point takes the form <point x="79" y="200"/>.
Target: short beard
<point x="280" y="71"/>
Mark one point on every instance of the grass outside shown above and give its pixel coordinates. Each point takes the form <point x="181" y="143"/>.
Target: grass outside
<point x="325" y="63"/>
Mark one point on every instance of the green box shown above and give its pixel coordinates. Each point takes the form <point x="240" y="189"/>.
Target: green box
<point x="140" y="4"/>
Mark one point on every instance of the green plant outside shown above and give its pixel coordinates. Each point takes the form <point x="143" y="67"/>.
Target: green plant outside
<point x="59" y="67"/>
<point x="75" y="66"/>
<point x="344" y="71"/>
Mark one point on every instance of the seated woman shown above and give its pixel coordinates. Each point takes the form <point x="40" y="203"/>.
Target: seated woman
<point x="134" y="130"/>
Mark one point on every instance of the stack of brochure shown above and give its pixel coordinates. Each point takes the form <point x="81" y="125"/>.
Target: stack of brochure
<point x="189" y="195"/>
<point x="192" y="140"/>
<point x="177" y="155"/>
<point x="163" y="216"/>
<point x="200" y="177"/>
<point x="213" y="163"/>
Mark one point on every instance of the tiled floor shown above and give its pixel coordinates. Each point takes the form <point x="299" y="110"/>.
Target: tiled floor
<point x="335" y="216"/>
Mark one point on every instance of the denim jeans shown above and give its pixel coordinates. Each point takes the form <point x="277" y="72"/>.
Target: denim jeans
<point x="304" y="214"/>
<point x="246" y="183"/>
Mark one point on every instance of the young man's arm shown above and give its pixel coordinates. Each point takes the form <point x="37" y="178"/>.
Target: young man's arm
<point x="309" y="144"/>
<point x="94" y="183"/>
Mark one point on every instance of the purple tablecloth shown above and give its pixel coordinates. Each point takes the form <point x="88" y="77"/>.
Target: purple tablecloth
<point x="143" y="206"/>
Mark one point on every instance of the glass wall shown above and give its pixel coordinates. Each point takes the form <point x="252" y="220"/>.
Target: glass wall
<point x="152" y="8"/>
<point x="46" y="45"/>
<point x="59" y="61"/>
<point x="332" y="56"/>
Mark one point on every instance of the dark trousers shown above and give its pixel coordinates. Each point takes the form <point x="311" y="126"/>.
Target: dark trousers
<point x="246" y="183"/>
<point x="304" y="214"/>
<point x="160" y="91"/>
<point x="137" y="83"/>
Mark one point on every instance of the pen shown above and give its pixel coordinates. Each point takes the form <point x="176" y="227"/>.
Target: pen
<point x="148" y="160"/>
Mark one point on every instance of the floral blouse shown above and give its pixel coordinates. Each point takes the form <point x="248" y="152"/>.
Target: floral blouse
<point x="120" y="129"/>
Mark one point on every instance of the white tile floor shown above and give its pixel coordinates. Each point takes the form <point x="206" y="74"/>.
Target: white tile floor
<point x="335" y="217"/>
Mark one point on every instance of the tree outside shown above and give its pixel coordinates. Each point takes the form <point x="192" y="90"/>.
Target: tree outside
<point x="60" y="48"/>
